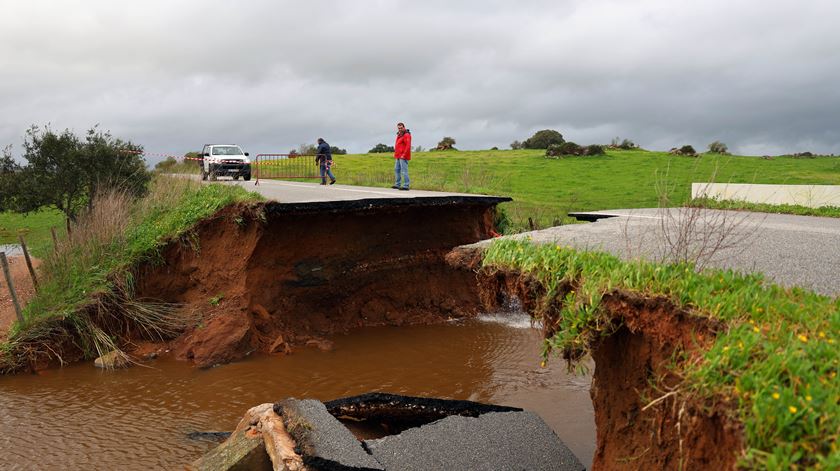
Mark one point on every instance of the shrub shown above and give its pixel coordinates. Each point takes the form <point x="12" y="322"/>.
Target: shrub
<point x="570" y="148"/>
<point x="543" y="139"/>
<point x="687" y="150"/>
<point x="337" y="151"/>
<point x="515" y="145"/>
<point x="718" y="147"/>
<point x="594" y="149"/>
<point x="447" y="143"/>
<point x="381" y="149"/>
<point x="554" y="150"/>
<point x="494" y="148"/>
<point x="684" y="150"/>
<point x="165" y="165"/>
<point x="625" y="144"/>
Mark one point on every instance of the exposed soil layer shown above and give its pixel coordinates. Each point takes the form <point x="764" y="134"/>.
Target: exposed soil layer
<point x="273" y="277"/>
<point x="643" y="420"/>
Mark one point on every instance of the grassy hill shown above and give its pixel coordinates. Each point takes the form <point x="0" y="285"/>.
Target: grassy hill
<point x="547" y="189"/>
<point x="543" y="189"/>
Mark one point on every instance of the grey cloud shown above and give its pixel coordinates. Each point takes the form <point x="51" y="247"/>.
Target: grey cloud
<point x="271" y="75"/>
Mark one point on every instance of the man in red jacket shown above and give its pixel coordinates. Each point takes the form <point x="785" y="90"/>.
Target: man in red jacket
<point x="402" y="154"/>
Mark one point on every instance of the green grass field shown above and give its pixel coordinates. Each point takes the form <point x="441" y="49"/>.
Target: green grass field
<point x="547" y="189"/>
<point x="34" y="227"/>
<point x="543" y="189"/>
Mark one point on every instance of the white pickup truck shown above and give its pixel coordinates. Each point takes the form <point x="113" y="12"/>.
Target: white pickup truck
<point x="218" y="160"/>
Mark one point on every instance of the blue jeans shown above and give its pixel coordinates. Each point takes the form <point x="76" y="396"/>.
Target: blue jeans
<point x="401" y="168"/>
<point x="325" y="170"/>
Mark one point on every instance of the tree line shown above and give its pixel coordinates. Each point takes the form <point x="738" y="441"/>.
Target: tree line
<point x="67" y="172"/>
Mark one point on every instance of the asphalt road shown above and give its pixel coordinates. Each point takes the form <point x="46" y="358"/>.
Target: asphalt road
<point x="300" y="192"/>
<point x="789" y="250"/>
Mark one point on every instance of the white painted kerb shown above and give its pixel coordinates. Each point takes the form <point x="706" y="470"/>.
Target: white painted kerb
<point x="812" y="196"/>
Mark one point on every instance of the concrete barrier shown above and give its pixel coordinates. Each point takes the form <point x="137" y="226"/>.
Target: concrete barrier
<point x="813" y="196"/>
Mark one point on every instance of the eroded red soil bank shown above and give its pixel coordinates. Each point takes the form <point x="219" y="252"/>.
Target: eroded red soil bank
<point x="273" y="277"/>
<point x="643" y="421"/>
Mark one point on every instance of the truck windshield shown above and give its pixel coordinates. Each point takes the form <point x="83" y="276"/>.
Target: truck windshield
<point x="227" y="150"/>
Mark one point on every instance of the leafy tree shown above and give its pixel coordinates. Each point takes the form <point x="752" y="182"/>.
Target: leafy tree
<point x="542" y="139"/>
<point x="419" y="148"/>
<point x="9" y="170"/>
<point x="336" y="151"/>
<point x="307" y="149"/>
<point x="447" y="143"/>
<point x="515" y="145"/>
<point x="718" y="147"/>
<point x="380" y="149"/>
<point x="687" y="150"/>
<point x="67" y="173"/>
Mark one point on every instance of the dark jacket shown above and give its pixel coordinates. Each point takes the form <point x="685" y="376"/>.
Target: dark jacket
<point x="323" y="153"/>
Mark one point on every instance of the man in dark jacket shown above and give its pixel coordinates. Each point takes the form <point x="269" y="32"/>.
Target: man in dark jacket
<point x="324" y="158"/>
<point x="402" y="154"/>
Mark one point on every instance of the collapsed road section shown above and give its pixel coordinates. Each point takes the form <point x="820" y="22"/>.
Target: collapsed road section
<point x="418" y="433"/>
<point x="269" y="277"/>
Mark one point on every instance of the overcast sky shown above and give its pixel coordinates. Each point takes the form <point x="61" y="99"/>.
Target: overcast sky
<point x="762" y="76"/>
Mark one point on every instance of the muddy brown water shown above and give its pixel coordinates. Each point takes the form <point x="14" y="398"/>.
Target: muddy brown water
<point x="82" y="418"/>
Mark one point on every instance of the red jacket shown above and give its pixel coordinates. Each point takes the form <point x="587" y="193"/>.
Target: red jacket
<point x="402" y="148"/>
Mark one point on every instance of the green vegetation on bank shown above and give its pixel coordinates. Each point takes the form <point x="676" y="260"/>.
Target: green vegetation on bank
<point x="799" y="210"/>
<point x="547" y="189"/>
<point x="93" y="266"/>
<point x="777" y="356"/>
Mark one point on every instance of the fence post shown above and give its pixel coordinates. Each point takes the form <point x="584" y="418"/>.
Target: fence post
<point x="28" y="262"/>
<point x="55" y="239"/>
<point x="11" y="285"/>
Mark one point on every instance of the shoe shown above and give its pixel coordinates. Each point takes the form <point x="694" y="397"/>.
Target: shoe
<point x="405" y="188"/>
<point x="332" y="182"/>
<point x="323" y="183"/>
<point x="395" y="187"/>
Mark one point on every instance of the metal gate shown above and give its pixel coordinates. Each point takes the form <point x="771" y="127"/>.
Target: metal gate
<point x="284" y="166"/>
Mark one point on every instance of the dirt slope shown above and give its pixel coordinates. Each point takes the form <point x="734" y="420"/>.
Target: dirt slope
<point x="271" y="279"/>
